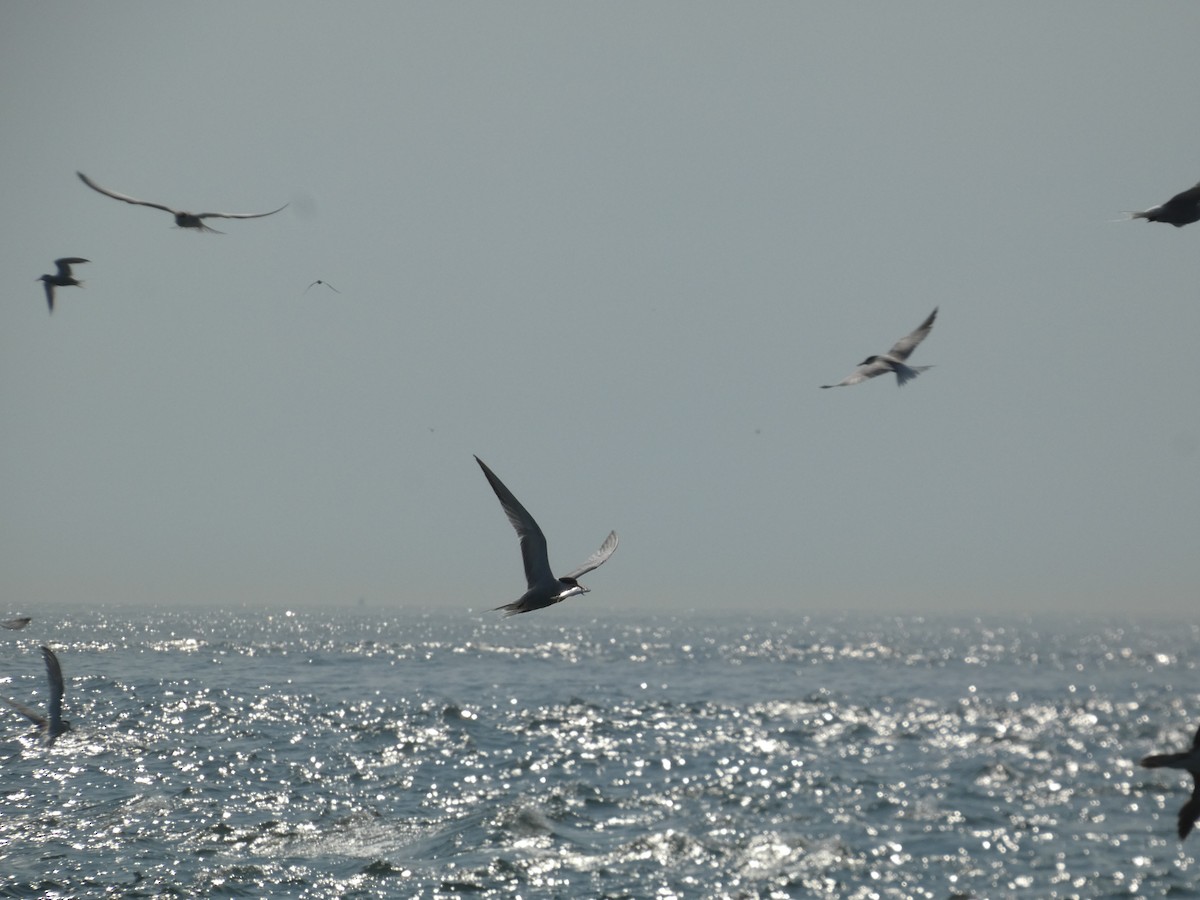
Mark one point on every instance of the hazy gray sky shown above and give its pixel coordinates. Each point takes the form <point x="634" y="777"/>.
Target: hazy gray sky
<point x="613" y="249"/>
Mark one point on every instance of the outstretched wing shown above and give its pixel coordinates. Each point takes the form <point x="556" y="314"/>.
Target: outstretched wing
<point x="907" y="345"/>
<point x="16" y="624"/>
<point x="1190" y="197"/>
<point x="598" y="558"/>
<point x="64" y="264"/>
<point x="1189" y="812"/>
<point x="54" y="674"/>
<point x="533" y="543"/>
<point x="237" y="215"/>
<point x="26" y="712"/>
<point x="862" y="373"/>
<point x="123" y="197"/>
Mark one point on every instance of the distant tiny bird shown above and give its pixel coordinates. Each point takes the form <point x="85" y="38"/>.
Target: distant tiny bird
<point x="1180" y="210"/>
<point x="61" y="278"/>
<point x="543" y="588"/>
<point x="1190" y="762"/>
<point x="326" y="283"/>
<point x="54" y="724"/>
<point x="16" y="624"/>
<point x="182" y="219"/>
<point x="893" y="360"/>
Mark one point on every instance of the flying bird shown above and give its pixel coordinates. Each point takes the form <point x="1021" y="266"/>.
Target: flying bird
<point x="54" y="724"/>
<point x="61" y="278"/>
<point x="543" y="589"/>
<point x="326" y="283"/>
<point x="182" y="219"/>
<point x="1189" y="760"/>
<point x="893" y="360"/>
<point x="16" y="624"/>
<point x="1180" y="210"/>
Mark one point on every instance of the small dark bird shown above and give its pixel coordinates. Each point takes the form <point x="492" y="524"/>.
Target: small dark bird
<point x="16" y="624"/>
<point x="543" y="588"/>
<point x="61" y="278"/>
<point x="1182" y="209"/>
<point x="893" y="360"/>
<point x="1190" y="762"/>
<point x="326" y="283"/>
<point x="182" y="219"/>
<point x="54" y="724"/>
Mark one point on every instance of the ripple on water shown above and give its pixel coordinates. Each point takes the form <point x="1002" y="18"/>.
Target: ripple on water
<point x="228" y="754"/>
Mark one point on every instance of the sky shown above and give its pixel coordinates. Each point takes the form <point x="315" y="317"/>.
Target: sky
<point x="614" y="249"/>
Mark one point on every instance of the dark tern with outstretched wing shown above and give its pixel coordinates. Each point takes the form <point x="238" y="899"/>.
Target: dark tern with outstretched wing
<point x="61" y="278"/>
<point x="1189" y="761"/>
<point x="182" y="219"/>
<point x="543" y="588"/>
<point x="893" y="360"/>
<point x="53" y="724"/>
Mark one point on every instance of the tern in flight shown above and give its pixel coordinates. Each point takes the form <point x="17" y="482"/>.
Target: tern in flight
<point x="1189" y="761"/>
<point x="182" y="219"/>
<point x="61" y="278"/>
<point x="54" y="724"/>
<point x="16" y="624"/>
<point x="326" y="283"/>
<point x="1180" y="210"/>
<point x="543" y="588"/>
<point x="893" y="360"/>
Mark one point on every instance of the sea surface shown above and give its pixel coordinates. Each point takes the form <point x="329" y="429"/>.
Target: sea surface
<point x="365" y="753"/>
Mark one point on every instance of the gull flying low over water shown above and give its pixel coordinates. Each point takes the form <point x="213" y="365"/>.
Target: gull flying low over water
<point x="53" y="724"/>
<point x="16" y="624"/>
<point x="1180" y="210"/>
<point x="1189" y="761"/>
<point x="182" y="219"/>
<point x="543" y="588"/>
<point x="61" y="278"/>
<point x="893" y="360"/>
<point x="326" y="283"/>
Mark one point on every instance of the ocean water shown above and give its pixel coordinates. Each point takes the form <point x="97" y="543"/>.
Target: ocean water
<point x="559" y="754"/>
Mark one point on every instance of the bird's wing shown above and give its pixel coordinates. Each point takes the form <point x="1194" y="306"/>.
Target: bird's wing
<point x="1185" y="198"/>
<point x="16" y="624"/>
<point x="862" y="373"/>
<point x="596" y="559"/>
<point x="54" y="673"/>
<point x="238" y="215"/>
<point x="1190" y="811"/>
<point x="124" y="197"/>
<point x="907" y="345"/>
<point x="49" y="286"/>
<point x="64" y="264"/>
<point x="533" y="543"/>
<point x="26" y="712"/>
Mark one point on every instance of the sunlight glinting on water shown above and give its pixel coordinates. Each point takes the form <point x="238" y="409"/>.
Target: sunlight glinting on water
<point x="225" y="753"/>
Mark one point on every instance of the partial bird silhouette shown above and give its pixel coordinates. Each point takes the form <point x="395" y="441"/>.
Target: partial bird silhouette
<point x="1189" y="761"/>
<point x="543" y="588"/>
<point x="1180" y="210"/>
<point x="182" y="219"/>
<point x="53" y="724"/>
<point x="61" y="278"/>
<point x="326" y="283"/>
<point x="16" y="624"/>
<point x="893" y="360"/>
